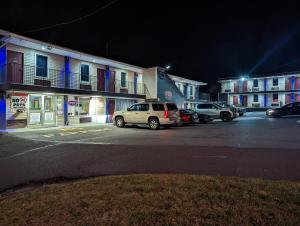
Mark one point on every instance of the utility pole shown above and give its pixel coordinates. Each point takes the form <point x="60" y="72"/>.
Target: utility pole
<point x="107" y="48"/>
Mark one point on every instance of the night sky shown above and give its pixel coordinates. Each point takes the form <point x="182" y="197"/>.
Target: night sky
<point x="201" y="41"/>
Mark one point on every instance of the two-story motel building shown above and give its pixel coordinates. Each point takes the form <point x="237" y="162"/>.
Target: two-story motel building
<point x="261" y="91"/>
<point x="44" y="85"/>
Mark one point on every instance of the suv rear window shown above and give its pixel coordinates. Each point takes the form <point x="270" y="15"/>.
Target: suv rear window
<point x="158" y="107"/>
<point x="172" y="107"/>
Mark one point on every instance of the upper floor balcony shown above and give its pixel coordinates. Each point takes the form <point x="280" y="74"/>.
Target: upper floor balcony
<point x="102" y="82"/>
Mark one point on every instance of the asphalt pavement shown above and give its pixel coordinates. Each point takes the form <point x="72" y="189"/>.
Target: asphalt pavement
<point x="251" y="146"/>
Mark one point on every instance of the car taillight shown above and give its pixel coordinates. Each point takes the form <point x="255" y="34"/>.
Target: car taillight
<point x="166" y="114"/>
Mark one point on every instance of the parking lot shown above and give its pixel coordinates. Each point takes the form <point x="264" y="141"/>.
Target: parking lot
<point x="251" y="146"/>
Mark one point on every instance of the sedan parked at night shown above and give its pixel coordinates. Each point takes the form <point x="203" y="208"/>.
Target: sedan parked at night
<point x="286" y="110"/>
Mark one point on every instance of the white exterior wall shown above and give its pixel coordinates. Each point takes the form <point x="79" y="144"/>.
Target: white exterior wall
<point x="281" y="83"/>
<point x="227" y="85"/>
<point x="75" y="68"/>
<point x="150" y="80"/>
<point x="260" y="100"/>
<point x="55" y="62"/>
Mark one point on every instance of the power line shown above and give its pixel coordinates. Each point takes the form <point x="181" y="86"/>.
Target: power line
<point x="73" y="20"/>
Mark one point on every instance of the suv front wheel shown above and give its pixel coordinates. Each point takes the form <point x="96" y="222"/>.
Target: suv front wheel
<point x="153" y="123"/>
<point x="226" y="117"/>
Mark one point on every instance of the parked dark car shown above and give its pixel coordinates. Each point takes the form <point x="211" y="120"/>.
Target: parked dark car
<point x="202" y="118"/>
<point x="288" y="109"/>
<point x="186" y="116"/>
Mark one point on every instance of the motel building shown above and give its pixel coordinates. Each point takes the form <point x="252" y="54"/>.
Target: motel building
<point x="45" y="85"/>
<point x="261" y="91"/>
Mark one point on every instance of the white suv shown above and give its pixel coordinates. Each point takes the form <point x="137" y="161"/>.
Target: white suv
<point x="225" y="113"/>
<point x="153" y="114"/>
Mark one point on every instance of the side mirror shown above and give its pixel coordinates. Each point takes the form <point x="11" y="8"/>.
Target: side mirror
<point x="128" y="109"/>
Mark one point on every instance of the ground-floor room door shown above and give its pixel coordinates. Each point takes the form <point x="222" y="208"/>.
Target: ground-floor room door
<point x="41" y="110"/>
<point x="14" y="67"/>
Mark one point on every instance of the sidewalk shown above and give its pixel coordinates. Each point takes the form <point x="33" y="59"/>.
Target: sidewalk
<point x="84" y="125"/>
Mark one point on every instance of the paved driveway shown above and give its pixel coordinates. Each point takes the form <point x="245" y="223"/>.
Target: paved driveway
<point x="251" y="146"/>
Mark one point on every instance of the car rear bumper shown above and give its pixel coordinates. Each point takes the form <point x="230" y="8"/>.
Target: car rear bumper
<point x="166" y="121"/>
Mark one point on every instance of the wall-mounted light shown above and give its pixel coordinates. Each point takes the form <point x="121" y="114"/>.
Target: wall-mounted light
<point x="43" y="47"/>
<point x="49" y="47"/>
<point x="168" y="67"/>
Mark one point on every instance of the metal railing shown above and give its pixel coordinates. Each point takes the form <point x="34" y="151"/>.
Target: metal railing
<point x="34" y="76"/>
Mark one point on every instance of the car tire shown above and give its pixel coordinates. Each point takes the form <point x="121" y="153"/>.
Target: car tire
<point x="167" y="126"/>
<point x="120" y="122"/>
<point x="226" y="117"/>
<point x="153" y="123"/>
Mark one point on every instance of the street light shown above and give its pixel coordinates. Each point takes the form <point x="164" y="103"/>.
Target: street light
<point x="168" y="67"/>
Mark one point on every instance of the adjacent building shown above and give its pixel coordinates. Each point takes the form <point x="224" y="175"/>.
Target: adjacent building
<point x="44" y="85"/>
<point x="165" y="87"/>
<point x="261" y="91"/>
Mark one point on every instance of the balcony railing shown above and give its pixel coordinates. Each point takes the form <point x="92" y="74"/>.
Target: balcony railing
<point x="35" y="76"/>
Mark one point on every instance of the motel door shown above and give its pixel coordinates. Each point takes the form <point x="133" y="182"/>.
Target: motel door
<point x="101" y="79"/>
<point x="245" y="101"/>
<point x="112" y="82"/>
<point x="14" y="67"/>
<point x="49" y="110"/>
<point x="235" y="100"/>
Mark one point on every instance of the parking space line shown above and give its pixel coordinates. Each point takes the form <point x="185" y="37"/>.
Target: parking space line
<point x="28" y="151"/>
<point x="211" y="156"/>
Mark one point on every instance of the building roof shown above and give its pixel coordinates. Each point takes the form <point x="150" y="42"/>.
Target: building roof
<point x="185" y="80"/>
<point x="279" y="74"/>
<point x="55" y="49"/>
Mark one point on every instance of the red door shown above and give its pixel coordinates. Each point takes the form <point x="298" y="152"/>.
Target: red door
<point x="297" y="83"/>
<point x="287" y="84"/>
<point x="287" y="98"/>
<point x="112" y="104"/>
<point x="245" y="101"/>
<point x="100" y="79"/>
<point x="235" y="100"/>
<point x="14" y="67"/>
<point x="112" y="82"/>
<point x="236" y="87"/>
<point x="245" y="86"/>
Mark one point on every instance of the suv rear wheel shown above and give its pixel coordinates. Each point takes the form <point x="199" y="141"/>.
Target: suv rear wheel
<point x="226" y="117"/>
<point x="153" y="123"/>
<point x="120" y="122"/>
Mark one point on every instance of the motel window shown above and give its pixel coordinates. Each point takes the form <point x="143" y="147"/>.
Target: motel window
<point x="255" y="83"/>
<point x="85" y="73"/>
<point x="275" y="97"/>
<point x="255" y="98"/>
<point x="275" y="81"/>
<point x="35" y="102"/>
<point x="41" y="66"/>
<point x="123" y="80"/>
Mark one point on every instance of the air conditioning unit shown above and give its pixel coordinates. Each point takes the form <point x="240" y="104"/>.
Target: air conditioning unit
<point x="275" y="88"/>
<point x="255" y="89"/>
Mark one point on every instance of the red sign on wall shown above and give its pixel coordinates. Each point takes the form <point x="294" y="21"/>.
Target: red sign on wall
<point x="168" y="95"/>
